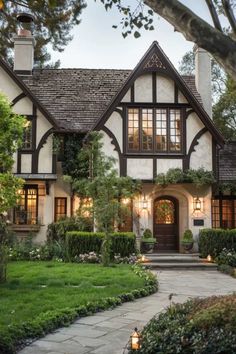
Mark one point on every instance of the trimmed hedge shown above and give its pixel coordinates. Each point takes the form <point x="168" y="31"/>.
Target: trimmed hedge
<point x="213" y="241"/>
<point x="14" y="337"/>
<point x="122" y="243"/>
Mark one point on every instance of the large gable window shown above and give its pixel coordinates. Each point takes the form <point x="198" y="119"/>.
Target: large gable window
<point x="155" y="130"/>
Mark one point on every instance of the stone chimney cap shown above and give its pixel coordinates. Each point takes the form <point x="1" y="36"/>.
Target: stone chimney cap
<point x="25" y="17"/>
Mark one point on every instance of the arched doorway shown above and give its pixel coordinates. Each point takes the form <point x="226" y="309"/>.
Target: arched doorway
<point x="165" y="223"/>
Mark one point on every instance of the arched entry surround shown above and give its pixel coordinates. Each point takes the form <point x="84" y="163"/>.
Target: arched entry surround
<point x="183" y="209"/>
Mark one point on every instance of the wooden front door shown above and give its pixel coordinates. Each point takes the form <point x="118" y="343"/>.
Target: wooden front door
<point x="166" y="223"/>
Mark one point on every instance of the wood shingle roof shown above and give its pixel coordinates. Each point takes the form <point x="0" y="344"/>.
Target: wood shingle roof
<point x="77" y="98"/>
<point x="227" y="162"/>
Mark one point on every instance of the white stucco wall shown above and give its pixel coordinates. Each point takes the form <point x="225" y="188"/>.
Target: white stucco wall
<point x="181" y="98"/>
<point x="24" y="106"/>
<point x="26" y="160"/>
<point x="8" y="86"/>
<point x="45" y="213"/>
<point x="143" y="88"/>
<point x="193" y="126"/>
<point x="108" y="149"/>
<point x="140" y="168"/>
<point x="43" y="125"/>
<point x="165" y="89"/>
<point x="127" y="96"/>
<point x="45" y="157"/>
<point x="202" y="156"/>
<point x="115" y="125"/>
<point x="163" y="165"/>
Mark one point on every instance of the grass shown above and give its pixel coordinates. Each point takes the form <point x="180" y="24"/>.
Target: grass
<point x="34" y="288"/>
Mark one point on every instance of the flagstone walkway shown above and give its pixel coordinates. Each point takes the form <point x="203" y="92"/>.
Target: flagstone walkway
<point x="108" y="332"/>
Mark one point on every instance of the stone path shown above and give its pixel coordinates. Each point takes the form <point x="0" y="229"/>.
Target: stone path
<point x="108" y="332"/>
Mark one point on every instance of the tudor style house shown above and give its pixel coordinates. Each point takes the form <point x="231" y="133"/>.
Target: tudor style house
<point x="152" y="119"/>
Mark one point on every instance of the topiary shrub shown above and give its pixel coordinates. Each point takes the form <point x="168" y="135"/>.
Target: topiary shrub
<point x="122" y="243"/>
<point x="213" y="241"/>
<point x="199" y="326"/>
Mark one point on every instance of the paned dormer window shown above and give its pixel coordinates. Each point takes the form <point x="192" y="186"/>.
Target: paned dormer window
<point x="155" y="130"/>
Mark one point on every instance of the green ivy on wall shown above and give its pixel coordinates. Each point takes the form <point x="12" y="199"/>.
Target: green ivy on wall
<point x="198" y="177"/>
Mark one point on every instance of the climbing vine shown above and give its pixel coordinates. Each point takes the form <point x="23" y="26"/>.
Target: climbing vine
<point x="198" y="177"/>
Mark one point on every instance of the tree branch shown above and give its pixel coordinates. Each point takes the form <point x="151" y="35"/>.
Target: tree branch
<point x="195" y="29"/>
<point x="229" y="14"/>
<point x="214" y="15"/>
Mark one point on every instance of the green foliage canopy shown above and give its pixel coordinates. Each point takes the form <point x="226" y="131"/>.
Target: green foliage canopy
<point x="11" y="131"/>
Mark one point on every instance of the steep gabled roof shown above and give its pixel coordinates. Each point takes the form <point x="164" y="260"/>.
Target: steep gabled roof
<point x="156" y="60"/>
<point x="77" y="98"/>
<point x="28" y="92"/>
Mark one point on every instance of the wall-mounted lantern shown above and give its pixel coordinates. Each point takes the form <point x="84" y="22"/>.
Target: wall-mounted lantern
<point x="197" y="204"/>
<point x="135" y="340"/>
<point x="144" y="203"/>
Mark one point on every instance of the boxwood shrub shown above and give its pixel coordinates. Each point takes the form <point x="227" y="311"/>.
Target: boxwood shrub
<point x="213" y="241"/>
<point x="122" y="243"/>
<point x="199" y="326"/>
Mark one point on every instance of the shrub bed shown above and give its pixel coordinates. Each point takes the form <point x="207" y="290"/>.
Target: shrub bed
<point x="199" y="326"/>
<point x="122" y="243"/>
<point x="15" y="336"/>
<point x="213" y="241"/>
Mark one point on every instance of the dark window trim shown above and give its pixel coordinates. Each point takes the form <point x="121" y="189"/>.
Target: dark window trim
<point x="154" y="151"/>
<point x="26" y="187"/>
<point x="23" y="150"/>
<point x="55" y="205"/>
<point x="233" y="210"/>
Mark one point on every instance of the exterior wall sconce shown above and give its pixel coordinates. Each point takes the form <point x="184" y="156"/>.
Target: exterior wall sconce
<point x="197" y="204"/>
<point x="144" y="203"/>
<point x="135" y="340"/>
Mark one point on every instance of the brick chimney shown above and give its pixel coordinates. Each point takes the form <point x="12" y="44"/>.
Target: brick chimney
<point x="203" y="77"/>
<point x="24" y="46"/>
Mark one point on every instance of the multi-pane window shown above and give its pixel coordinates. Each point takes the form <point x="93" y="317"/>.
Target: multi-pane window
<point x="154" y="130"/>
<point x="26" y="211"/>
<point x="133" y="129"/>
<point x="147" y="129"/>
<point x="224" y="213"/>
<point x="161" y="130"/>
<point x="60" y="208"/>
<point x="175" y="130"/>
<point x="27" y="135"/>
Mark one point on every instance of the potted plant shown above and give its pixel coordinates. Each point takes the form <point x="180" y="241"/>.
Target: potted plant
<point x="187" y="240"/>
<point x="148" y="241"/>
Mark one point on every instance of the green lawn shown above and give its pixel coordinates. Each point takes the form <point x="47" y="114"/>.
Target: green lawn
<point x="36" y="287"/>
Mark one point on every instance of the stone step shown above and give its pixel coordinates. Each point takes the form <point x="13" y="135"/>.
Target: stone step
<point x="181" y="265"/>
<point x="174" y="254"/>
<point x="173" y="259"/>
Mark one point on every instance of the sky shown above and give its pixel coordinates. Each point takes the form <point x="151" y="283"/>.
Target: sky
<point x="96" y="44"/>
